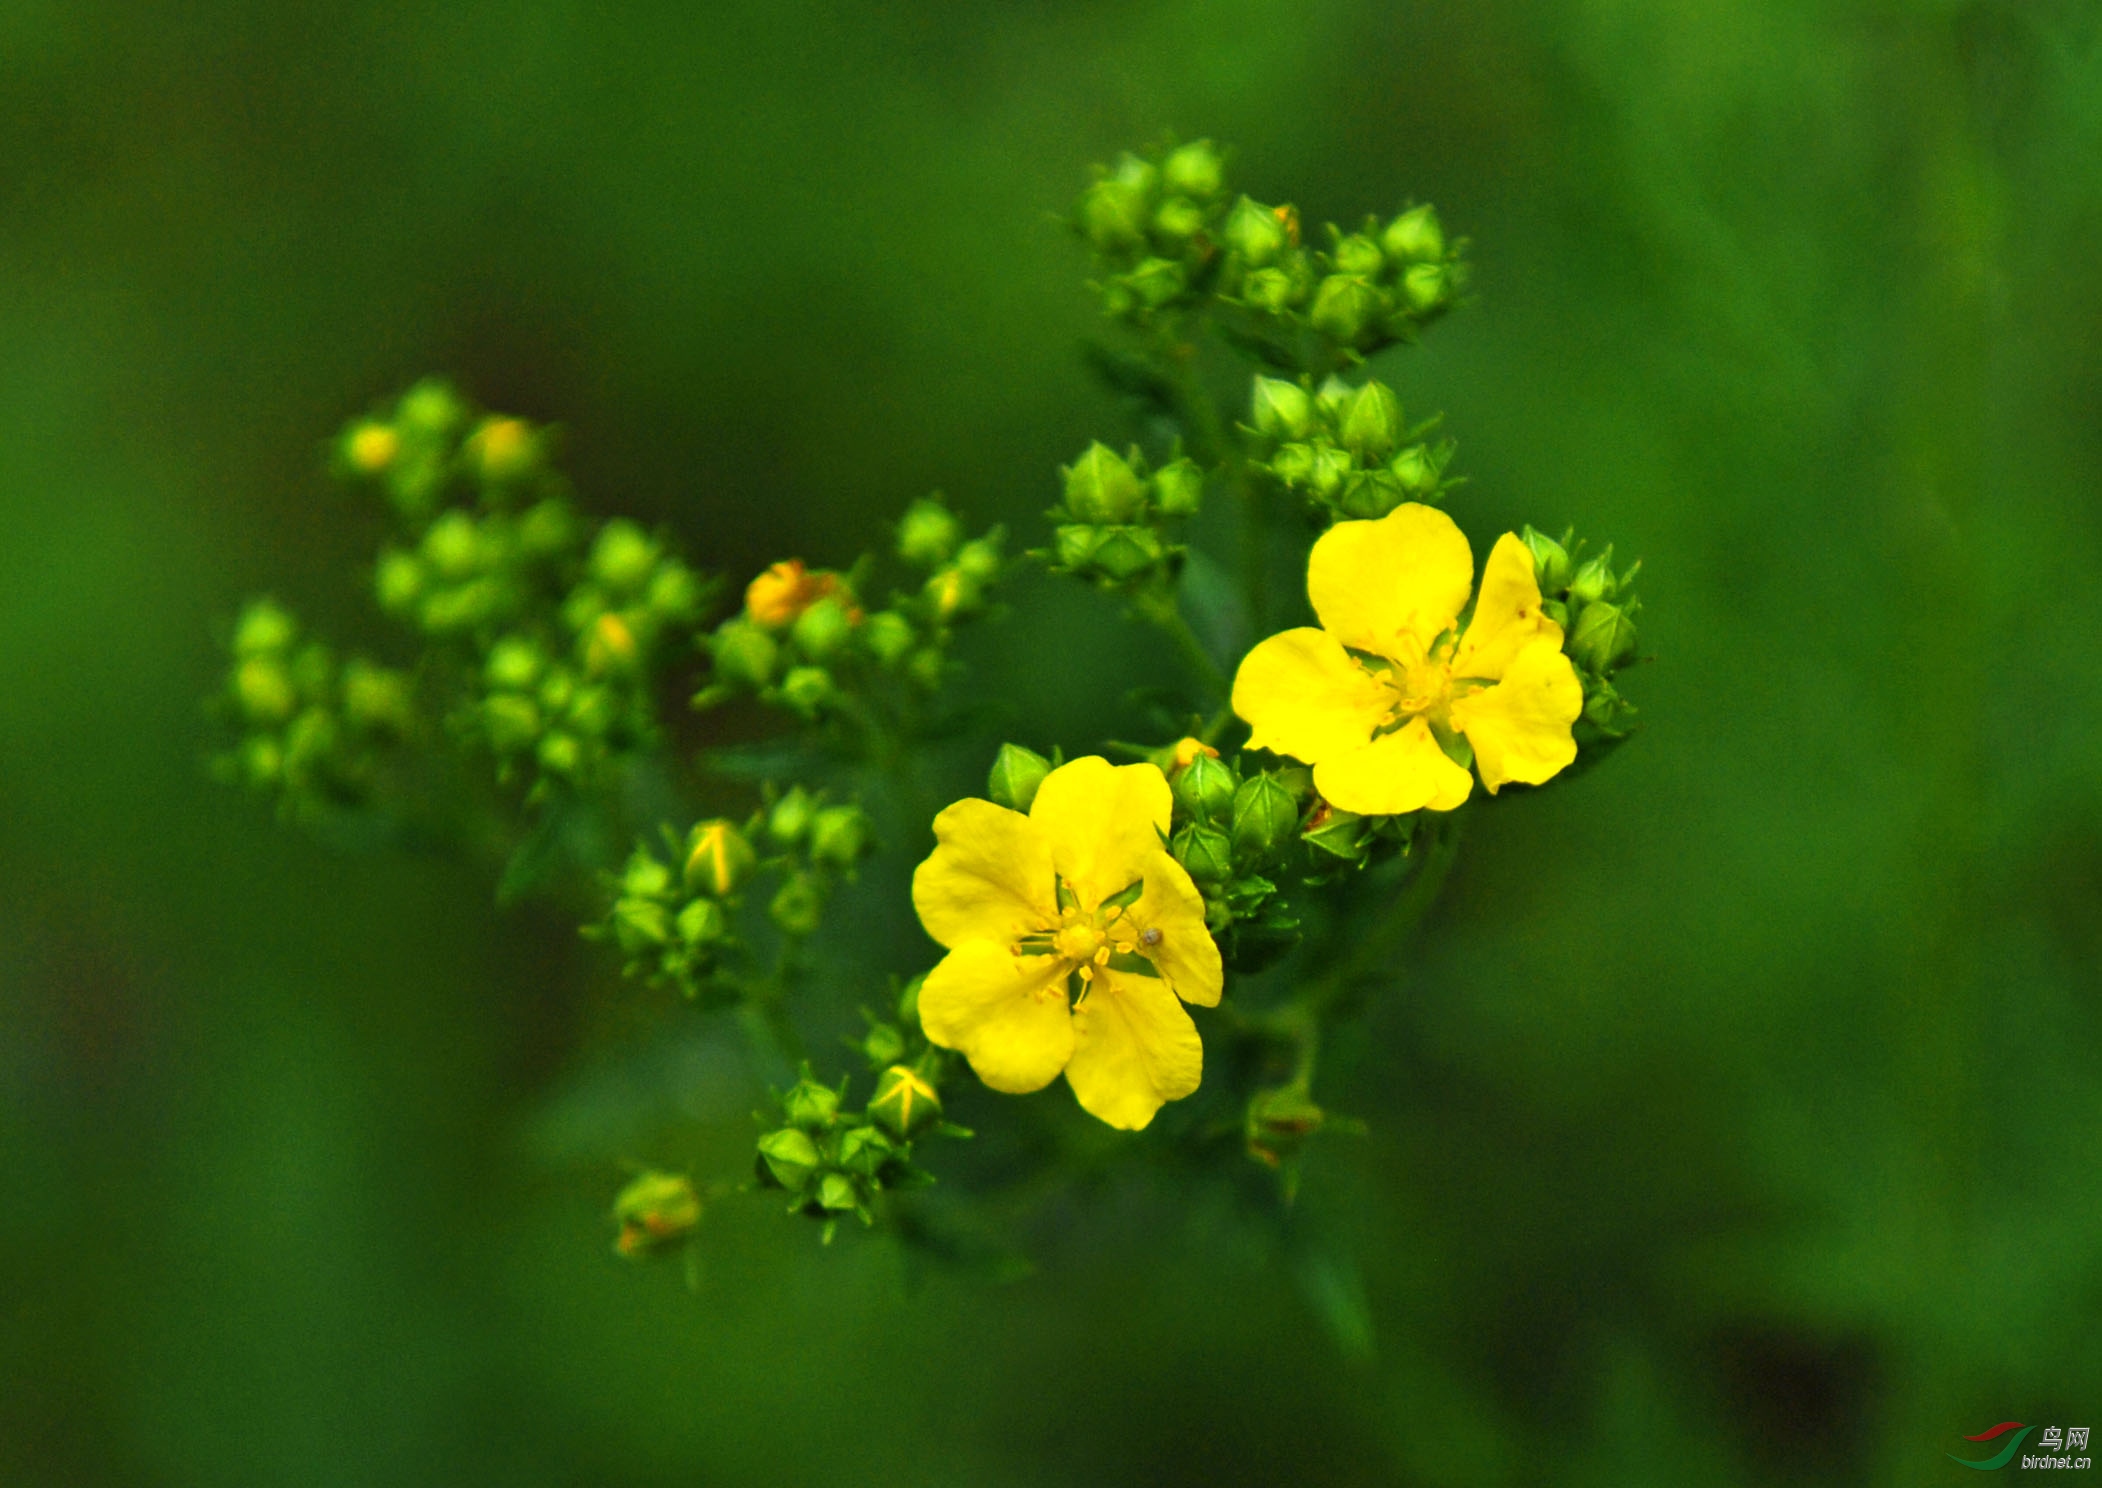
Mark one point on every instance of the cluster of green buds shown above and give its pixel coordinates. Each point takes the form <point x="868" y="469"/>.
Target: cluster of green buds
<point x="312" y="730"/>
<point x="815" y="844"/>
<point x="1596" y="609"/>
<point x="431" y="440"/>
<point x="832" y="1161"/>
<point x="1251" y="838"/>
<point x="1345" y="450"/>
<point x="1111" y="524"/>
<point x="570" y="702"/>
<point x="804" y="642"/>
<point x="675" y="914"/>
<point x="1366" y="291"/>
<point x="1152" y="222"/>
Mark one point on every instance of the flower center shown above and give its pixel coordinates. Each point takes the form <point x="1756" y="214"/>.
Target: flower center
<point x="1079" y="940"/>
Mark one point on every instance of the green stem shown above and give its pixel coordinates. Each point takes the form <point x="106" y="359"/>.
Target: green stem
<point x="1158" y="608"/>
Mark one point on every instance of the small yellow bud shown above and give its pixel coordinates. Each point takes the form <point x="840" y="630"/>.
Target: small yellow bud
<point x="503" y="449"/>
<point x="371" y="447"/>
<point x="611" y="645"/>
<point x="717" y="857"/>
<point x="1186" y="750"/>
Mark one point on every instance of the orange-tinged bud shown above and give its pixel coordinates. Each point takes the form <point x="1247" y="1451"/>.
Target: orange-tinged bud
<point x="1187" y="749"/>
<point x="786" y="590"/>
<point x="611" y="645"/>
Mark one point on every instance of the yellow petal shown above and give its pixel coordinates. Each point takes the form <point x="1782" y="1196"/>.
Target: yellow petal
<point x="988" y="878"/>
<point x="1302" y="695"/>
<point x="1520" y="727"/>
<point x="1134" y="1050"/>
<point x="1169" y="919"/>
<point x="1007" y="1013"/>
<point x="1103" y="822"/>
<point x="1401" y="771"/>
<point x="1507" y="615"/>
<point x="1406" y="574"/>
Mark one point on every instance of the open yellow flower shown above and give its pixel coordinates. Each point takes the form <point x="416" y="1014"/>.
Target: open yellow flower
<point x="1389" y="696"/>
<point x="1079" y="890"/>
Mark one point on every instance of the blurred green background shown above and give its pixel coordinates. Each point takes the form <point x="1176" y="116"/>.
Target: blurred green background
<point x="1737" y="1122"/>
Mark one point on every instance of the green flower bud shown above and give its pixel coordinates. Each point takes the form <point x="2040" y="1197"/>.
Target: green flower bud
<point x="1272" y="291"/>
<point x="397" y="582"/>
<point x="309" y="740"/>
<point x="645" y="877"/>
<point x="1178" y="220"/>
<point x="798" y="906"/>
<point x="1368" y="494"/>
<point x="376" y="697"/>
<point x="904" y="1104"/>
<point x="1101" y="487"/>
<point x="703" y="923"/>
<point x="560" y="754"/>
<point x="1551" y="567"/>
<point x="674" y="593"/>
<point x="641" y="925"/>
<point x="1347" y="308"/>
<point x="503" y="449"/>
<point x="789" y="818"/>
<point x="1204" y="852"/>
<point x="1424" y="286"/>
<point x="809" y="1105"/>
<point x="928" y="533"/>
<point x="511" y="722"/>
<point x="1204" y="789"/>
<point x="558" y="691"/>
<point x="1293" y="464"/>
<point x="1256" y="234"/>
<point x="1337" y="832"/>
<point x="623" y="558"/>
<point x="454" y="547"/>
<point x="1556" y="611"/>
<point x="1264" y="815"/>
<point x="718" y="859"/>
<point x="1178" y="488"/>
<point x="1075" y="545"/>
<point x="883" y="1044"/>
<point x="1194" y="170"/>
<point x="909" y="1002"/>
<point x="927" y="669"/>
<point x="822" y="629"/>
<point x="547" y="529"/>
<point x="594" y="712"/>
<point x="839" y="835"/>
<point x="263" y="686"/>
<point x="1332" y="468"/>
<point x="952" y="592"/>
<point x="431" y="407"/>
<point x="1125" y="553"/>
<point x="1016" y="774"/>
<point x="979" y="559"/>
<point x="1372" y="422"/>
<point x="836" y="1192"/>
<point x="1156" y="283"/>
<point x="1415" y="235"/>
<point x="863" y="1150"/>
<point x="1112" y="214"/>
<point x="1282" y="410"/>
<point x="806" y="689"/>
<point x="888" y="636"/>
<point x="514" y="664"/>
<point x="1594" y="579"/>
<point x="264" y="630"/>
<point x="655" y="1212"/>
<point x="1604" y="636"/>
<point x="1417" y="470"/>
<point x="1358" y="254"/>
<point x="261" y="760"/>
<point x="744" y="653"/>
<point x="787" y="1159"/>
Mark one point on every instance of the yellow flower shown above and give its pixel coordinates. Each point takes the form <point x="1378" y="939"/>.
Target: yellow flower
<point x="1080" y="888"/>
<point x="1381" y="728"/>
